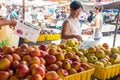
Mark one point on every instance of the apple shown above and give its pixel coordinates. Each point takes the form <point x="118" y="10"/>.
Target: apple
<point x="59" y="49"/>
<point x="4" y="64"/>
<point x="36" y="52"/>
<point x="36" y="77"/>
<point x="76" y="58"/>
<point x="62" y="46"/>
<point x="43" y="53"/>
<point x="30" y="49"/>
<point x="84" y="59"/>
<point x="81" y="69"/>
<point x="62" y="72"/>
<point x="14" y="64"/>
<point x="70" y="61"/>
<point x="22" y="70"/>
<point x="108" y="52"/>
<point x="51" y="75"/>
<point x="28" y="77"/>
<point x="75" y="49"/>
<point x="75" y="65"/>
<point x="50" y="59"/>
<point x="21" y="54"/>
<point x="68" y="55"/>
<point x="52" y="51"/>
<point x="59" y="63"/>
<point x="9" y="50"/>
<point x="100" y="54"/>
<point x="99" y="63"/>
<point x="114" y="50"/>
<point x="60" y="57"/>
<point x="16" y="57"/>
<point x="26" y="58"/>
<point x="33" y="66"/>
<point x="43" y="47"/>
<point x="66" y="65"/>
<point x="85" y="66"/>
<point x="68" y="48"/>
<point x="35" y="60"/>
<point x="91" y="49"/>
<point x="35" y="47"/>
<point x="104" y="61"/>
<point x="9" y="57"/>
<point x="10" y="72"/>
<point x="72" y="71"/>
<point x="42" y="60"/>
<point x="24" y="62"/>
<point x="13" y="78"/>
<point x="4" y="47"/>
<point x="52" y="67"/>
<point x="43" y="66"/>
<point x="80" y="53"/>
<point x="24" y="46"/>
<point x="18" y="50"/>
<point x="106" y="45"/>
<point x="4" y="75"/>
<point x="92" y="59"/>
<point x="90" y="54"/>
<point x="38" y="70"/>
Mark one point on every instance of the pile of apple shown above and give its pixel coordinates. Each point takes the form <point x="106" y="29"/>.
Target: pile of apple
<point x="102" y="55"/>
<point x="44" y="62"/>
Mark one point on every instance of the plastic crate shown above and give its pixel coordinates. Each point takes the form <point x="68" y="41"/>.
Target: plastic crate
<point x="85" y="75"/>
<point x="107" y="72"/>
<point x="52" y="36"/>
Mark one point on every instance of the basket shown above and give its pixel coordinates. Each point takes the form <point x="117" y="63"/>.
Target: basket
<point x="85" y="75"/>
<point x="107" y="72"/>
<point x="52" y="36"/>
<point x="40" y="38"/>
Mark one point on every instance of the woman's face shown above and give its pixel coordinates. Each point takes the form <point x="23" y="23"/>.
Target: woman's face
<point x="76" y="13"/>
<point x="96" y="10"/>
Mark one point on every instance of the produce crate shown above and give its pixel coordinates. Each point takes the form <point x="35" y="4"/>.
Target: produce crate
<point x="107" y="72"/>
<point x="52" y="36"/>
<point x="40" y="38"/>
<point x="85" y="75"/>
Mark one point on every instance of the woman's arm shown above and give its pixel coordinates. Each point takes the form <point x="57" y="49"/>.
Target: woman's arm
<point x="65" y="32"/>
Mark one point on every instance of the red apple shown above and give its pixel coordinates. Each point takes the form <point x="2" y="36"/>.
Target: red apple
<point x="80" y="53"/>
<point x="68" y="55"/>
<point x="81" y="69"/>
<point x="62" y="46"/>
<point x="76" y="65"/>
<point x="85" y="66"/>
<point x="26" y="58"/>
<point x="42" y="61"/>
<point x="16" y="57"/>
<point x="30" y="49"/>
<point x="51" y="75"/>
<point x="59" y="63"/>
<point x="52" y="67"/>
<point x="14" y="64"/>
<point x="4" y="64"/>
<point x="33" y="66"/>
<point x="13" y="78"/>
<point x="9" y="50"/>
<point x="36" y="77"/>
<point x="50" y="59"/>
<point x="36" y="52"/>
<point x="52" y="51"/>
<point x="76" y="58"/>
<point x="35" y="60"/>
<point x="9" y="57"/>
<point x="43" y="53"/>
<point x="39" y="70"/>
<point x="62" y="72"/>
<point x="24" y="46"/>
<point x="4" y="75"/>
<point x="22" y="70"/>
<point x="43" y="47"/>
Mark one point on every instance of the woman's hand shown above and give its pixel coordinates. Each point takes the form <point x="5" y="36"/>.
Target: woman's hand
<point x="78" y="37"/>
<point x="13" y="22"/>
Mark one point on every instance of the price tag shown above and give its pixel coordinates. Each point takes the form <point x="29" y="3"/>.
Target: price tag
<point x="27" y="30"/>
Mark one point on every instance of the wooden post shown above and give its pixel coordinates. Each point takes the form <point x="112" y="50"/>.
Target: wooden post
<point x="116" y="27"/>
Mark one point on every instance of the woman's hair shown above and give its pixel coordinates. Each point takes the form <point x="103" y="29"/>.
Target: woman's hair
<point x="76" y="5"/>
<point x="99" y="6"/>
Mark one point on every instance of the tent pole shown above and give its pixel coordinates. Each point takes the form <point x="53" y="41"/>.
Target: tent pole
<point x="116" y="28"/>
<point x="21" y="40"/>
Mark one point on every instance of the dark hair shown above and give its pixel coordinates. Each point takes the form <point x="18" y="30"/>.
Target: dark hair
<point x="99" y="6"/>
<point x="75" y="5"/>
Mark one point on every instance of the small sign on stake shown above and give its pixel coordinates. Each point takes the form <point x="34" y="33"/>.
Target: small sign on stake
<point x="27" y="30"/>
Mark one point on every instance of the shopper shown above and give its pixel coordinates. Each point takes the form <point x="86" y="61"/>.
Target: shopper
<point x="96" y="23"/>
<point x="71" y="27"/>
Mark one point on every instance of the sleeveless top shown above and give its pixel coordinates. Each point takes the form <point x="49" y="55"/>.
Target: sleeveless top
<point x="75" y="26"/>
<point x="98" y="32"/>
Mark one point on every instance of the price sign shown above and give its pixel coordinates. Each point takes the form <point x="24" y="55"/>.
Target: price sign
<point x="27" y="30"/>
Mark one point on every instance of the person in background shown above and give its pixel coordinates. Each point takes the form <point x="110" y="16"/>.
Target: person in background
<point x="96" y="23"/>
<point x="3" y="10"/>
<point x="71" y="27"/>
